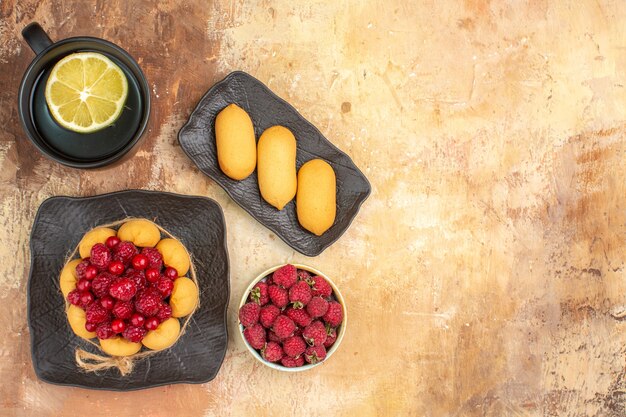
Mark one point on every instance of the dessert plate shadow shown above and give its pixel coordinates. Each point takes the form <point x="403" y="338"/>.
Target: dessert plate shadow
<point x="60" y="224"/>
<point x="197" y="139"/>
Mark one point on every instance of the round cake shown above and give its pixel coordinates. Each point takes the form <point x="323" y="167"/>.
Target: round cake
<point x="129" y="288"/>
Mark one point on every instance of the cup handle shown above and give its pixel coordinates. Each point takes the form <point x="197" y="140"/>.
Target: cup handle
<point x="36" y="37"/>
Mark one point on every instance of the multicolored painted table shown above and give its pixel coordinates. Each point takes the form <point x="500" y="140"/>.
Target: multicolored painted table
<point x="484" y="274"/>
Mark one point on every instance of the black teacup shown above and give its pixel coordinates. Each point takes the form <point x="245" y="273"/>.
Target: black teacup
<point x="80" y="150"/>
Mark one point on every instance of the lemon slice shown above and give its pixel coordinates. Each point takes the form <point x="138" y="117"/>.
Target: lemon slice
<point x="86" y="92"/>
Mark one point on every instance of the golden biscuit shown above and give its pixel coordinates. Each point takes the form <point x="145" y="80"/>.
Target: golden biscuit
<point x="184" y="297"/>
<point x="235" y="142"/>
<point x="76" y="316"/>
<point x="118" y="346"/>
<point x="174" y="255"/>
<point x="163" y="336"/>
<point x="276" y="166"/>
<point x="141" y="232"/>
<point x="68" y="277"/>
<point x="97" y="235"/>
<point x="316" y="199"/>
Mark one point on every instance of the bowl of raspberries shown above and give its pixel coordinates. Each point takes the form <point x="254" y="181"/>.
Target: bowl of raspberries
<point x="292" y="317"/>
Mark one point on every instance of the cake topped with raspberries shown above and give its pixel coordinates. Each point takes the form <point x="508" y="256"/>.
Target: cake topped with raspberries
<point x="129" y="288"/>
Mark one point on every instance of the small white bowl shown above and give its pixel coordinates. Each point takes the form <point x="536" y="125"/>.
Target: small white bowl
<point x="341" y="330"/>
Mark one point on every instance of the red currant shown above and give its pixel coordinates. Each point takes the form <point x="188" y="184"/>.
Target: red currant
<point x="107" y="302"/>
<point x="83" y="284"/>
<point x="86" y="298"/>
<point x="152" y="274"/>
<point x="116" y="267"/>
<point x="91" y="272"/>
<point x="171" y="273"/>
<point x="91" y="327"/>
<point x="140" y="262"/>
<point x="118" y="325"/>
<point x="112" y="242"/>
<point x="137" y="320"/>
<point x="152" y="323"/>
<point x="74" y="297"/>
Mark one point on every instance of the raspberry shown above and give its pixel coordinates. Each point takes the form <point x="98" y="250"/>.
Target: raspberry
<point x="155" y="260"/>
<point x="303" y="275"/>
<point x="315" y="354"/>
<point x="95" y="313"/>
<point x="100" y="256"/>
<point x="123" y="309"/>
<point x="74" y="297"/>
<point x="332" y="336"/>
<point x="123" y="289"/>
<point x="267" y="315"/>
<point x="134" y="334"/>
<point x="285" y="276"/>
<point x="255" y="335"/>
<point x="151" y="291"/>
<point x="91" y="327"/>
<point x="271" y="336"/>
<point x="334" y="315"/>
<point x="100" y="284"/>
<point x="300" y="294"/>
<point x="317" y="307"/>
<point x="138" y="277"/>
<point x="148" y="302"/>
<point x="249" y="314"/>
<point x="288" y="362"/>
<point x="124" y="252"/>
<point x="81" y="268"/>
<point x="259" y="294"/>
<point x="299" y="316"/>
<point x="283" y="326"/>
<point x="315" y="333"/>
<point x="272" y="352"/>
<point x="105" y="331"/>
<point x="294" y="346"/>
<point x="320" y="286"/>
<point x="165" y="286"/>
<point x="278" y="295"/>
<point x="165" y="312"/>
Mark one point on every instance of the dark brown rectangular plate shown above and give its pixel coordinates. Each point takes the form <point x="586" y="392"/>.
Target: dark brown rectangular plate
<point x="60" y="224"/>
<point x="197" y="138"/>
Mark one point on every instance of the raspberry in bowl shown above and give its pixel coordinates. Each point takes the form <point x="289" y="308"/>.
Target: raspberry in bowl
<point x="292" y="317"/>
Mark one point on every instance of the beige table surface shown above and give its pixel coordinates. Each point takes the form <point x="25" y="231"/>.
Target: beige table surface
<point x="483" y="274"/>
